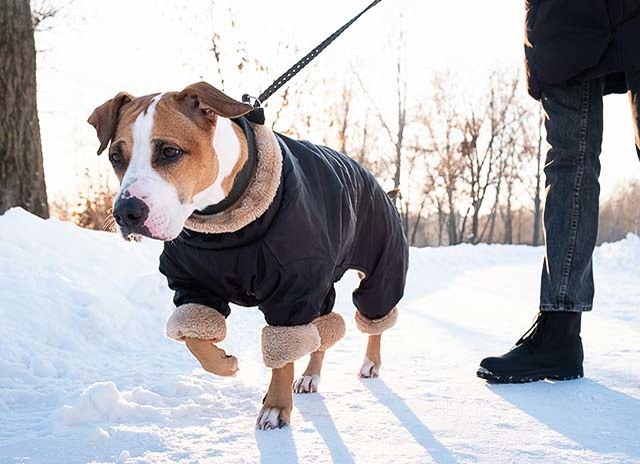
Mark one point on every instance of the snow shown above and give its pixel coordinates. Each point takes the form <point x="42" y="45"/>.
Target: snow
<point x="86" y="374"/>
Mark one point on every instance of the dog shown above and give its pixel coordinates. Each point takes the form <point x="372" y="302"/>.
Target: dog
<point x="254" y="218"/>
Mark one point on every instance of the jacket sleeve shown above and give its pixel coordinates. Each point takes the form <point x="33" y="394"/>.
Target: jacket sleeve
<point x="187" y="289"/>
<point x="296" y="294"/>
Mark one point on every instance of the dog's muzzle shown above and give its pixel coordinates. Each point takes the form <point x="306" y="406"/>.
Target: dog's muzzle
<point x="131" y="214"/>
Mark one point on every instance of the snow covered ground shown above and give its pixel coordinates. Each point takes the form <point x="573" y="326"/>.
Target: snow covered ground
<point x="87" y="376"/>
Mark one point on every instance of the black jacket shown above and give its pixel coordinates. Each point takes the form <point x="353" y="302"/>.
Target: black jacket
<point x="328" y="215"/>
<point x="581" y="39"/>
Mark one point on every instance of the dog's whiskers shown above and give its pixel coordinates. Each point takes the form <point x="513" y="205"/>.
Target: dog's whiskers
<point x="109" y="224"/>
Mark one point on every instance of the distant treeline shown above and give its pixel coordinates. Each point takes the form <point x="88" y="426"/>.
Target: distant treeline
<point x="469" y="167"/>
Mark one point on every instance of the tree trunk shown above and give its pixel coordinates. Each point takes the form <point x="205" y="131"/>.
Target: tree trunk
<point x="441" y="221"/>
<point x="537" y="214"/>
<point x="519" y="235"/>
<point x="494" y="212"/>
<point x="452" y="223"/>
<point x="475" y="224"/>
<point x="418" y="220"/>
<point x="21" y="171"/>
<point x="463" y="227"/>
<point x="508" y="220"/>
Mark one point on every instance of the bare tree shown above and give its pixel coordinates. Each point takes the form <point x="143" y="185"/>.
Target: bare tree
<point x="441" y="124"/>
<point x="536" y="152"/>
<point x="416" y="190"/>
<point x="511" y="176"/>
<point x="620" y="214"/>
<point x="510" y="173"/>
<point x="43" y="10"/>
<point x="497" y="121"/>
<point x="461" y="167"/>
<point x="342" y="118"/>
<point x="401" y="95"/>
<point x="217" y="57"/>
<point x="21" y="169"/>
<point x="360" y="155"/>
<point x="231" y="56"/>
<point x="428" y="188"/>
<point x="394" y="131"/>
<point x="500" y="175"/>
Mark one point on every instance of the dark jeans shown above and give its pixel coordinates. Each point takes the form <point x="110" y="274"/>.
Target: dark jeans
<point x="574" y="132"/>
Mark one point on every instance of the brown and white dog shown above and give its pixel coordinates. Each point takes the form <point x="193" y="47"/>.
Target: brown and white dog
<point x="175" y="154"/>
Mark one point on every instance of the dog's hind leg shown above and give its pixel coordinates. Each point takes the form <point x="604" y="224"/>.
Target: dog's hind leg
<point x="331" y="328"/>
<point x="310" y="379"/>
<point x="372" y="360"/>
<point x="374" y="329"/>
<point x="277" y="404"/>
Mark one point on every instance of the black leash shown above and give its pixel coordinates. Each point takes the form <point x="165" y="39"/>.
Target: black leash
<point x="257" y="115"/>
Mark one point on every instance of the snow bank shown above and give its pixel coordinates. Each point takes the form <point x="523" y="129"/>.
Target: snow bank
<point x="102" y="402"/>
<point x="68" y="298"/>
<point x="621" y="256"/>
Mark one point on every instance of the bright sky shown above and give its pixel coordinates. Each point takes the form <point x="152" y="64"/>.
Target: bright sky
<point x="95" y="49"/>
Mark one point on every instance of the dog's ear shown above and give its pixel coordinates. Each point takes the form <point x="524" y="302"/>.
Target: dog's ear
<point x="211" y="102"/>
<point x="105" y="118"/>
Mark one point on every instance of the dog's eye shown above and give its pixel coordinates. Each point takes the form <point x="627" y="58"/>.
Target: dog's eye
<point x="115" y="158"/>
<point x="169" y="153"/>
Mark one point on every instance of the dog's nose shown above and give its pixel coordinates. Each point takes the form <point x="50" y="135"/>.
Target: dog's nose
<point x="131" y="213"/>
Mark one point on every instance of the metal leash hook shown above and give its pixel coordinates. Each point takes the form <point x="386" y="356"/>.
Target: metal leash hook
<point x="246" y="98"/>
<point x="257" y="115"/>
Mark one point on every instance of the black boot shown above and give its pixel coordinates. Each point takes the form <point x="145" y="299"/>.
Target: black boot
<point x="551" y="349"/>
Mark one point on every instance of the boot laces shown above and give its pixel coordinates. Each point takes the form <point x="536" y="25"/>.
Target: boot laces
<point x="534" y="331"/>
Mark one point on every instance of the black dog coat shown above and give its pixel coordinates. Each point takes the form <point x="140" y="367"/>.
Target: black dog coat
<point x="328" y="215"/>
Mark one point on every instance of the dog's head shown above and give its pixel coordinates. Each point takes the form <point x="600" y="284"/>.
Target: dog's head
<point x="173" y="153"/>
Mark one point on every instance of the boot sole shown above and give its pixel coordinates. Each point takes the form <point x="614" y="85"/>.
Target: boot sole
<point x="563" y="374"/>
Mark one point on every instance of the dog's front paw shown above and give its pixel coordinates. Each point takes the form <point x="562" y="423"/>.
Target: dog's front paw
<point x="273" y="418"/>
<point x="211" y="358"/>
<point x="307" y="384"/>
<point x="278" y="402"/>
<point x="369" y="370"/>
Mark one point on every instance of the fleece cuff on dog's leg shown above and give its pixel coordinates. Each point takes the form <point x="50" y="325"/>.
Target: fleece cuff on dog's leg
<point x="376" y="326"/>
<point x="282" y="345"/>
<point x="331" y="328"/>
<point x="196" y="321"/>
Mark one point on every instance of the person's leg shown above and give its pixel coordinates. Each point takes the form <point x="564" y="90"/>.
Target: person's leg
<point x="633" y="86"/>
<point x="572" y="168"/>
<point x="553" y="348"/>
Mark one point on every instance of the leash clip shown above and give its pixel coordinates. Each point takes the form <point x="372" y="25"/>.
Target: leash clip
<point x="246" y="98"/>
<point x="256" y="115"/>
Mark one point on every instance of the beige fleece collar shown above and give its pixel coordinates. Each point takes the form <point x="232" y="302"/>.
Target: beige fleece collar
<point x="258" y="196"/>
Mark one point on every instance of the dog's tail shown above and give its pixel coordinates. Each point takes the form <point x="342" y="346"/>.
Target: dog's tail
<point x="394" y="193"/>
